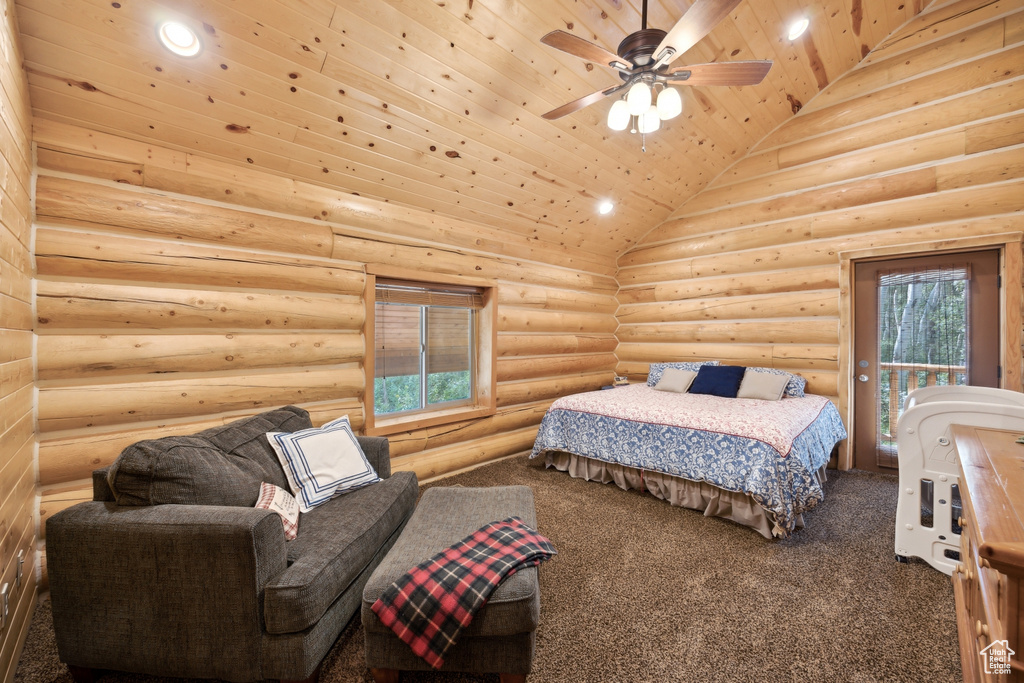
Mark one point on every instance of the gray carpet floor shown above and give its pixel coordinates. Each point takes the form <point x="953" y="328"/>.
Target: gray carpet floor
<point x="642" y="591"/>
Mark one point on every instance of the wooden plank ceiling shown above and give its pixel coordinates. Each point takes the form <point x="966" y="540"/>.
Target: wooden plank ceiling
<point x="437" y="104"/>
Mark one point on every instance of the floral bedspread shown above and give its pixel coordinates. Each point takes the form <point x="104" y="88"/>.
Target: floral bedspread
<point x="767" y="449"/>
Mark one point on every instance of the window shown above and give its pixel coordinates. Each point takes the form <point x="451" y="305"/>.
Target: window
<point x="430" y="349"/>
<point x="423" y="340"/>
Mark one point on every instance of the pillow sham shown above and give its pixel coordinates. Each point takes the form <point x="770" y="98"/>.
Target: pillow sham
<point x="718" y="380"/>
<point x="794" y="387"/>
<point x="765" y="386"/>
<point x="323" y="462"/>
<point x="674" y="379"/>
<point x="283" y="503"/>
<point x="654" y="374"/>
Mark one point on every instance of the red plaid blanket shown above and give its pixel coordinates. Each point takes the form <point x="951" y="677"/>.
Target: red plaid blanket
<point x="430" y="605"/>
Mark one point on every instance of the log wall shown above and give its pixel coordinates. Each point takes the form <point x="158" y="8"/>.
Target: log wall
<point x="174" y="293"/>
<point x="922" y="141"/>
<point x="17" y="442"/>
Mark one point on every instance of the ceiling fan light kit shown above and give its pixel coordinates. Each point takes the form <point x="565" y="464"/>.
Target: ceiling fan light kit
<point x="670" y="104"/>
<point x="643" y="62"/>
<point x="618" y="115"/>
<point x="649" y="121"/>
<point x="639" y="98"/>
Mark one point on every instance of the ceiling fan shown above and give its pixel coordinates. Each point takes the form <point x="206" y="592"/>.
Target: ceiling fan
<point x="643" y="61"/>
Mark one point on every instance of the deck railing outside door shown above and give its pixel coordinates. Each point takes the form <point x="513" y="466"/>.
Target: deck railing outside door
<point x="892" y="377"/>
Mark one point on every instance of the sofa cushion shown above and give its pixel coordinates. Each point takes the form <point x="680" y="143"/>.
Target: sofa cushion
<point x="247" y="438"/>
<point x="322" y="462"/>
<point x="224" y="465"/>
<point x="338" y="540"/>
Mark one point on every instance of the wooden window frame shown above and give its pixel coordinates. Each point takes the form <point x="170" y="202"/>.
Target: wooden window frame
<point x="485" y="382"/>
<point x="1011" y="299"/>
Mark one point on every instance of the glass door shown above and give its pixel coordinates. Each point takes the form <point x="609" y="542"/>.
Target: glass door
<point x="921" y="321"/>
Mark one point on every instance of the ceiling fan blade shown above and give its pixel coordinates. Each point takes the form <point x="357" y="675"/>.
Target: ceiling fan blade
<point x="696" y="23"/>
<point x="721" y="73"/>
<point x="567" y="42"/>
<point x="582" y="102"/>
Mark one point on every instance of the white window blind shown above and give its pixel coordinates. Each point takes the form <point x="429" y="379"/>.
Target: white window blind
<point x="428" y="294"/>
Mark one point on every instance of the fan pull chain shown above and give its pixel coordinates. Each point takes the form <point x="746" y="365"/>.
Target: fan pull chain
<point x="634" y="124"/>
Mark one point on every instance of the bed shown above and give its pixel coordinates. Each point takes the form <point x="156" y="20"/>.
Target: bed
<point x="760" y="463"/>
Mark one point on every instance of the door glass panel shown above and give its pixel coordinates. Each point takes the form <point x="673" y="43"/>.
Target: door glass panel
<point x="922" y="339"/>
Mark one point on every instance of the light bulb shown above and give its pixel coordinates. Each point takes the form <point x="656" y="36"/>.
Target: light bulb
<point x="649" y="120"/>
<point x="605" y="208"/>
<point x="639" y="98"/>
<point x="618" y="115"/>
<point x="179" y="39"/>
<point x="670" y="104"/>
<point x="797" y="28"/>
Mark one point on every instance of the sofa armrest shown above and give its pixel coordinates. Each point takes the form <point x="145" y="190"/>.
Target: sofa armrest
<point x="378" y="452"/>
<point x="193" y="575"/>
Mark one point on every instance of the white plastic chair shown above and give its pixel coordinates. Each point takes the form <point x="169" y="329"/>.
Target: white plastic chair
<point x="928" y="464"/>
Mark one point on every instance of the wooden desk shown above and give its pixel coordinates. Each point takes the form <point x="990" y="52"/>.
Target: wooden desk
<point x="988" y="581"/>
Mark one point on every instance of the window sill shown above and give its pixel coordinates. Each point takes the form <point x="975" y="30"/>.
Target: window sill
<point x="383" y="426"/>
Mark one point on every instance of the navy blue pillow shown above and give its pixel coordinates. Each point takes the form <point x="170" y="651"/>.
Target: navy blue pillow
<point x="718" y="380"/>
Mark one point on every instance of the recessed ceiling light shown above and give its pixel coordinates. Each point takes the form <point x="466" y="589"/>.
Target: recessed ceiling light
<point x="179" y="39"/>
<point x="797" y="28"/>
<point x="605" y="208"/>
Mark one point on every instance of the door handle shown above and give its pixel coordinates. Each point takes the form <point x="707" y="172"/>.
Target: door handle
<point x="862" y="378"/>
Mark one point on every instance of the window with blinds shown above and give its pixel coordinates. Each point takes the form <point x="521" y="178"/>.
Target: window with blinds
<point x="424" y="345"/>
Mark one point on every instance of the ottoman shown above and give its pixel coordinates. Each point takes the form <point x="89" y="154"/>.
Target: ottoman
<point x="501" y="638"/>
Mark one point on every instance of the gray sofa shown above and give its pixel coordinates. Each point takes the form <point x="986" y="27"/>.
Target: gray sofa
<point x="178" y="575"/>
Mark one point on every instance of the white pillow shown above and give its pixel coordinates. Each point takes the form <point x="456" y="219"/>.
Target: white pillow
<point x="674" y="379"/>
<point x="323" y="462"/>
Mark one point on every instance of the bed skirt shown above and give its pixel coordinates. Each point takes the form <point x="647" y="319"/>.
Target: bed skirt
<point x="695" y="495"/>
